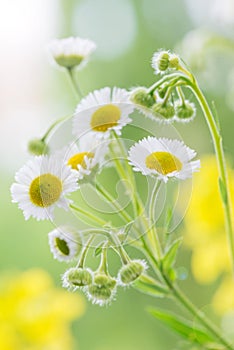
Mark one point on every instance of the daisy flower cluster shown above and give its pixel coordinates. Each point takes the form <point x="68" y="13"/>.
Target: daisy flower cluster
<point x="53" y="181"/>
<point x="45" y="182"/>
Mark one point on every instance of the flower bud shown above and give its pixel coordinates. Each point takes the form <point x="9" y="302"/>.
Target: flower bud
<point x="166" y="111"/>
<point x="174" y="61"/>
<point x="130" y="272"/>
<point x="163" y="61"/>
<point x="37" y="147"/>
<point x="185" y="112"/>
<point x="140" y="96"/>
<point x="102" y="279"/>
<point x="77" y="277"/>
<point x="100" y="295"/>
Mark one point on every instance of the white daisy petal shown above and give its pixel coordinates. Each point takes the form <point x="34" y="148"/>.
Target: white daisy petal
<point x="163" y="158"/>
<point x="102" y="111"/>
<point x="41" y="184"/>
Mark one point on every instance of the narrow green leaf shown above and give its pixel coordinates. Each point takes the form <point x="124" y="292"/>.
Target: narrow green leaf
<point x="170" y="256"/>
<point x="149" y="286"/>
<point x="186" y="329"/>
<point x="223" y="191"/>
<point x="168" y="219"/>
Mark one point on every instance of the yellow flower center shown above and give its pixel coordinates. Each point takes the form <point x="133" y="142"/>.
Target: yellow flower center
<point x="45" y="190"/>
<point x="78" y="159"/>
<point x="105" y="118"/>
<point x="62" y="246"/>
<point x="163" y="162"/>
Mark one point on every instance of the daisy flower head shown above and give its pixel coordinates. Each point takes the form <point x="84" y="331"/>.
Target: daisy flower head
<point x="41" y="185"/>
<point x="65" y="243"/>
<point x="102" y="111"/>
<point x="163" y="158"/>
<point x="71" y="52"/>
<point x="87" y="156"/>
<point x="163" y="61"/>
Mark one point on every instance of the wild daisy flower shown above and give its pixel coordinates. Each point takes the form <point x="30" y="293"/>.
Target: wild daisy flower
<point x="163" y="158"/>
<point x="65" y="243"/>
<point x="102" y="111"/>
<point x="71" y="52"/>
<point x="41" y="184"/>
<point x="87" y="155"/>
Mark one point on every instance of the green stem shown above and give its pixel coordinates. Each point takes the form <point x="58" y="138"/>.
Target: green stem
<point x="218" y="146"/>
<point x="60" y="120"/>
<point x="189" y="306"/>
<point x="84" y="252"/>
<point x="153" y="235"/>
<point x="186" y="303"/>
<point x="88" y="215"/>
<point x="173" y="78"/>
<point x="112" y="201"/>
<point x="76" y="88"/>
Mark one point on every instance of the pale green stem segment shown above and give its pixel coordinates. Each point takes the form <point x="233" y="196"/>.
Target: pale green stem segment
<point x="84" y="252"/>
<point x="112" y="201"/>
<point x="218" y="146"/>
<point x="103" y="263"/>
<point x="153" y="234"/>
<point x="51" y="128"/>
<point x="76" y="87"/>
<point x="88" y="215"/>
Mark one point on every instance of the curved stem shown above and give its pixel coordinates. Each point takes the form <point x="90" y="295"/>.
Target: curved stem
<point x="112" y="201"/>
<point x="76" y="88"/>
<point x="84" y="252"/>
<point x="60" y="120"/>
<point x="88" y="215"/>
<point x="218" y="146"/>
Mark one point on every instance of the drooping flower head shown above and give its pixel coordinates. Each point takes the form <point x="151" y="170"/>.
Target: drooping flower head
<point x="102" y="111"/>
<point x="163" y="158"/>
<point x="65" y="243"/>
<point x="41" y="184"/>
<point x="87" y="155"/>
<point x="71" y="52"/>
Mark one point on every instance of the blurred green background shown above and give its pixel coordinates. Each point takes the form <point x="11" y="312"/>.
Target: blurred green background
<point x="33" y="94"/>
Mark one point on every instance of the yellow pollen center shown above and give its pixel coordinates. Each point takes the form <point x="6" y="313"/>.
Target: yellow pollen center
<point x="163" y="162"/>
<point x="78" y="159"/>
<point x="45" y="190"/>
<point x="105" y="118"/>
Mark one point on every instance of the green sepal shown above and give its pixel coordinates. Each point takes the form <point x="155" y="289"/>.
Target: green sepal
<point x="184" y="328"/>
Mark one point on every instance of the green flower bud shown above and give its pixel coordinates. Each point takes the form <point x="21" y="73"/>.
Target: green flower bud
<point x="185" y="112"/>
<point x="166" y="111"/>
<point x="100" y="295"/>
<point x="77" y="277"/>
<point x="102" y="279"/>
<point x="174" y="61"/>
<point x="140" y="96"/>
<point x="38" y="147"/>
<point x="163" y="61"/>
<point x="130" y="272"/>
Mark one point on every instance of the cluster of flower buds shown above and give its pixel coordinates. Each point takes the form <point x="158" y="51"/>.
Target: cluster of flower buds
<point x="99" y="286"/>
